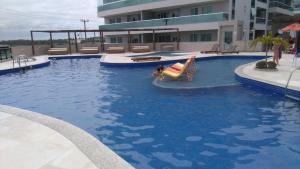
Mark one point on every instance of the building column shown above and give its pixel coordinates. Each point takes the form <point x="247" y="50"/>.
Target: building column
<point x="219" y="37"/>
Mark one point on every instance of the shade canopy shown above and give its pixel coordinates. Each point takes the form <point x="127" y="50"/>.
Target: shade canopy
<point x="292" y="27"/>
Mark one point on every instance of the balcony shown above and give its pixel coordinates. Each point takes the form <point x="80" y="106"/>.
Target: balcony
<point x="280" y="5"/>
<point x="259" y="20"/>
<point x="123" y="3"/>
<point x="204" y="18"/>
<point x="281" y="8"/>
<point x="297" y="8"/>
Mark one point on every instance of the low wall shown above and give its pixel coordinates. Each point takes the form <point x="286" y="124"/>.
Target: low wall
<point x="183" y="46"/>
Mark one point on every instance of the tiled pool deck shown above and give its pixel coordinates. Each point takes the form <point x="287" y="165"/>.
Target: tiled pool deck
<point x="31" y="140"/>
<point x="279" y="78"/>
<point x="39" y="141"/>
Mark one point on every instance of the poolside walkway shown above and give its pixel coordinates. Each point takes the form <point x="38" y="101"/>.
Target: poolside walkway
<point x="279" y="77"/>
<point x="125" y="58"/>
<point x="9" y="65"/>
<point x="26" y="144"/>
<point x="30" y="140"/>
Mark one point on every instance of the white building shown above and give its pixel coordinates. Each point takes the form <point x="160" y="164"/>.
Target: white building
<point x="201" y="22"/>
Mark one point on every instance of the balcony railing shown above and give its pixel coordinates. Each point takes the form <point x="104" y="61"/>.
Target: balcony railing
<point x="274" y="4"/>
<point x="260" y="20"/>
<point x="213" y="17"/>
<point x="123" y="3"/>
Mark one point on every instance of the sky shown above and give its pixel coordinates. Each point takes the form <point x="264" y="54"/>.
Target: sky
<point x="18" y="17"/>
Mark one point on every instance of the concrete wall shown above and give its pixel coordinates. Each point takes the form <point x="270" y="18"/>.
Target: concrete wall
<point x="242" y="13"/>
<point x="184" y="46"/>
<point x="152" y="6"/>
<point x="221" y="6"/>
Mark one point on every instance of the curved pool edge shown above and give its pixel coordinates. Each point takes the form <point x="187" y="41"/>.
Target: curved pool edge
<point x="74" y="56"/>
<point x="164" y="61"/>
<point x="39" y="63"/>
<point x="97" y="152"/>
<point x="155" y="83"/>
<point x="264" y="84"/>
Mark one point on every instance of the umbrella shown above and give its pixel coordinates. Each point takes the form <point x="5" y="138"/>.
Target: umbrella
<point x="292" y="27"/>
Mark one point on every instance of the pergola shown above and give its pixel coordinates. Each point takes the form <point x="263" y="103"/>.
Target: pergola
<point x="101" y="31"/>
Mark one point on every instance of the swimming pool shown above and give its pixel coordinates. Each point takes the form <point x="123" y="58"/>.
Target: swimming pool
<point x="150" y="127"/>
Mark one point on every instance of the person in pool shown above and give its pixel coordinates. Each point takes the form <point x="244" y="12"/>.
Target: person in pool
<point x="158" y="71"/>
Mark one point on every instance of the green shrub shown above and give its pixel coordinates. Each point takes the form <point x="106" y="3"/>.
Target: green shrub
<point x="261" y="65"/>
<point x="272" y="65"/>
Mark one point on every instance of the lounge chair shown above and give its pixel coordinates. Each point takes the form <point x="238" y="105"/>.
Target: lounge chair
<point x="89" y="50"/>
<point x="115" y="49"/>
<point x="140" y="49"/>
<point x="167" y="47"/>
<point x="231" y="49"/>
<point x="214" y="49"/>
<point x="58" y="51"/>
<point x="141" y="59"/>
<point x="179" y="70"/>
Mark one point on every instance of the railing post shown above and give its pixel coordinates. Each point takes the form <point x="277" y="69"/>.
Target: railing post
<point x="102" y="41"/>
<point x="51" y="42"/>
<point x="178" y="38"/>
<point x="70" y="49"/>
<point x="153" y="40"/>
<point x="32" y="43"/>
<point x="129" y="41"/>
<point x="76" y="45"/>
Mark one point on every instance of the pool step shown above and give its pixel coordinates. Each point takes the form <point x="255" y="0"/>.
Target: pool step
<point x="292" y="97"/>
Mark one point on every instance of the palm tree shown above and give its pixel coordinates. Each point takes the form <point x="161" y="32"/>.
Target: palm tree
<point x="266" y="40"/>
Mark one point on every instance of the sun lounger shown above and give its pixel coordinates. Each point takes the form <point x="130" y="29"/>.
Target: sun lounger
<point x="140" y="49"/>
<point x="231" y="49"/>
<point x="167" y="47"/>
<point x="58" y="51"/>
<point x="179" y="70"/>
<point x="115" y="49"/>
<point x="89" y="50"/>
<point x="141" y="59"/>
<point x="214" y="49"/>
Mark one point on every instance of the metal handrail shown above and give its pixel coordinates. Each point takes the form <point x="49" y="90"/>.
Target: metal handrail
<point x="288" y="82"/>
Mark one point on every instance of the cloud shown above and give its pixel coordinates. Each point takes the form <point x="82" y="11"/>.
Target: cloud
<point x="23" y="16"/>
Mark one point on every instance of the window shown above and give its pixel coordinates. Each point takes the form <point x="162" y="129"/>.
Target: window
<point x="120" y="40"/>
<point x="118" y="20"/>
<point x="200" y="37"/>
<point x="115" y="20"/>
<point x="163" y="15"/>
<point x="194" y="37"/>
<point x="113" y="40"/>
<point x="228" y="37"/>
<point x="206" y="37"/>
<point x="112" y="20"/>
<point x="194" y="11"/>
<point x="206" y="9"/>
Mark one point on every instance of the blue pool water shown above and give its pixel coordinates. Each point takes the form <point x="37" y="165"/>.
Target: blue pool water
<point x="150" y="127"/>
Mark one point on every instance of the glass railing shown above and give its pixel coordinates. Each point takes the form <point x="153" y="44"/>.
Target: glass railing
<point x="260" y="20"/>
<point x="123" y="3"/>
<point x="297" y="7"/>
<point x="213" y="17"/>
<point x="280" y="5"/>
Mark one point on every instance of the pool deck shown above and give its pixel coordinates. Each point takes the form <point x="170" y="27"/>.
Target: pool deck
<point x="10" y="66"/>
<point x="30" y="140"/>
<point x="125" y="59"/>
<point x="278" y="77"/>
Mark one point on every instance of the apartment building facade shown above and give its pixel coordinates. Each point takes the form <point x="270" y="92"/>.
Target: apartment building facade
<point x="202" y="23"/>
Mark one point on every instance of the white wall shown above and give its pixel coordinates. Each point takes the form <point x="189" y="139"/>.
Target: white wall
<point x="151" y="6"/>
<point x="242" y="13"/>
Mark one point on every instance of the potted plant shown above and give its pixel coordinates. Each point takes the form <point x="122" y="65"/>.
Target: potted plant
<point x="268" y="41"/>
